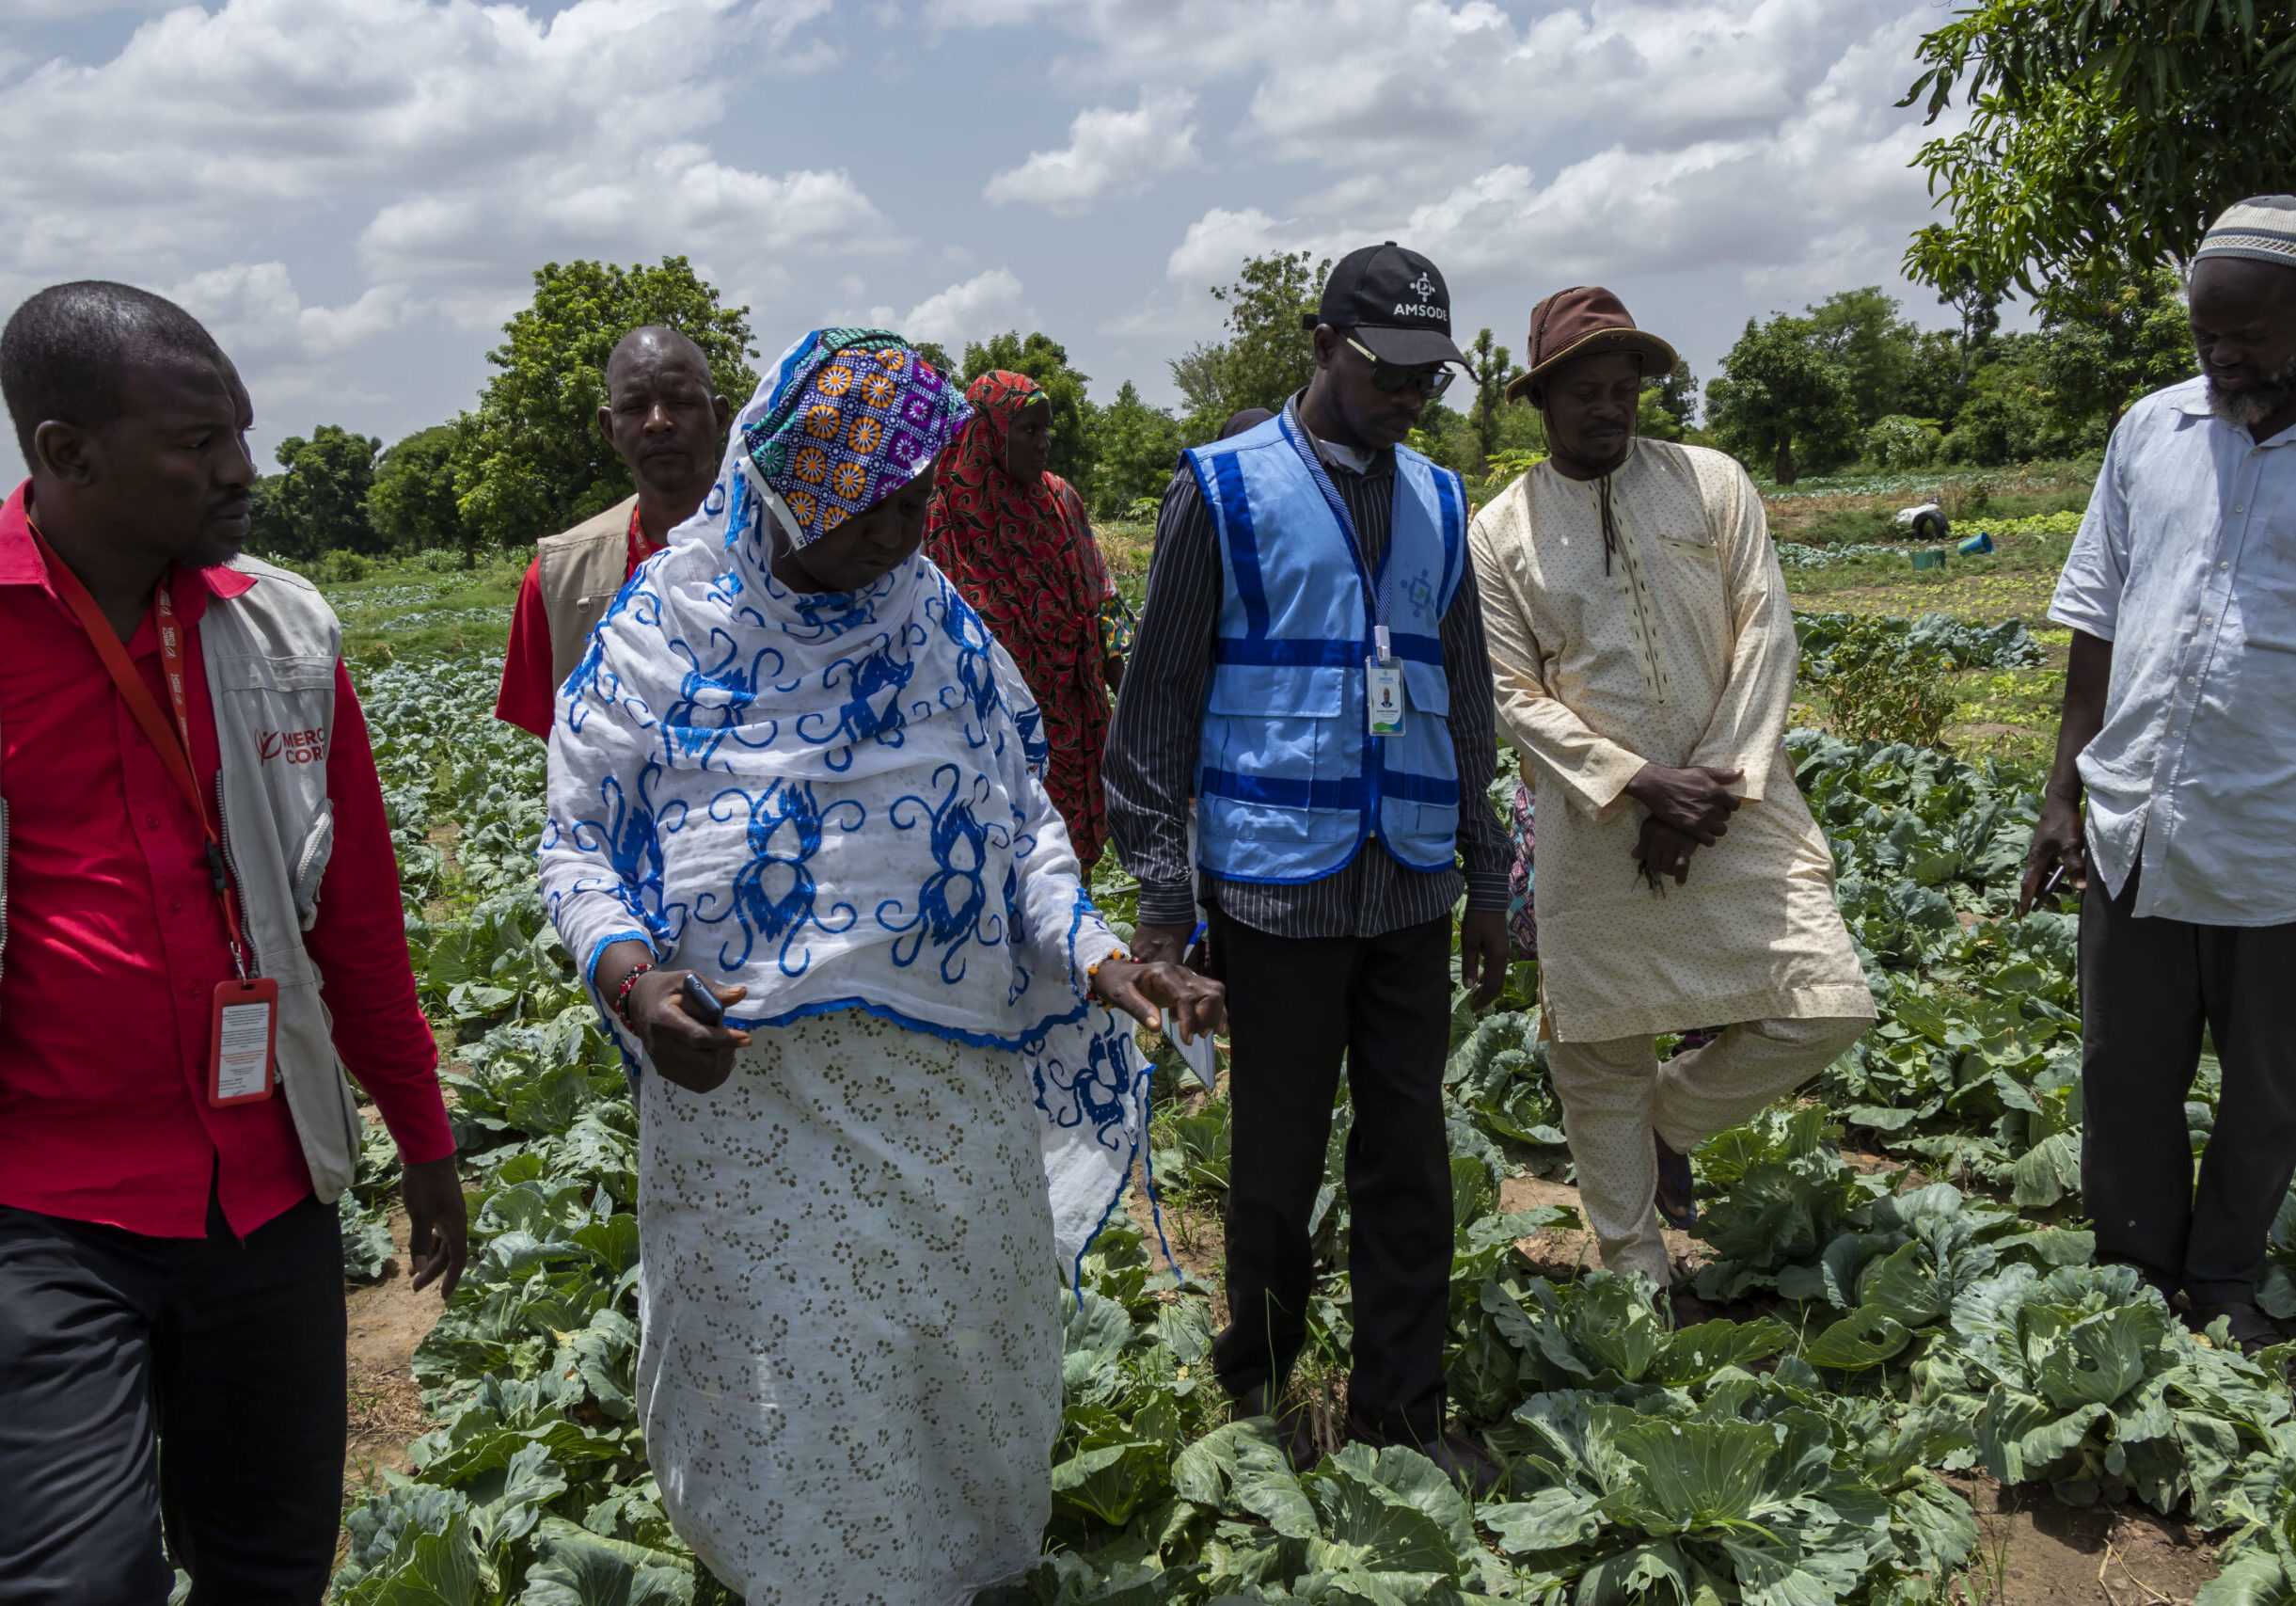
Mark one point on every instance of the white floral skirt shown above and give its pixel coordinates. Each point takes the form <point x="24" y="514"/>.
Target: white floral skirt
<point x="849" y="1377"/>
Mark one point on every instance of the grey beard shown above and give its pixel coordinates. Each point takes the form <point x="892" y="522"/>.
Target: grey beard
<point x="2248" y="408"/>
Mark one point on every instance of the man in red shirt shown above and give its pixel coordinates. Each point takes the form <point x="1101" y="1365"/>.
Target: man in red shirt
<point x="664" y="418"/>
<point x="179" y="847"/>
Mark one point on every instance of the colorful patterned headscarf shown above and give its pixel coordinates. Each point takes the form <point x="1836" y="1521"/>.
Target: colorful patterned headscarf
<point x="858" y="415"/>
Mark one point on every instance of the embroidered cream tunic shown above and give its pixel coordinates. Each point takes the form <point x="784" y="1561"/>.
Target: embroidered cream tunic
<point x="1683" y="654"/>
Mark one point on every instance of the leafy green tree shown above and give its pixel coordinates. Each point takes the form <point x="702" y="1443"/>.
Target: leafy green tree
<point x="1451" y="440"/>
<point x="2103" y="135"/>
<point x="1489" y="366"/>
<point x="1521" y="428"/>
<point x="1267" y="356"/>
<point x="1139" y="448"/>
<point x="2110" y="348"/>
<point x="1198" y="373"/>
<point x="269" y="535"/>
<point x="1046" y="361"/>
<point x="935" y="357"/>
<point x="2058" y="391"/>
<point x="412" y="503"/>
<point x="1668" y="409"/>
<point x="1781" y="390"/>
<point x="2009" y="413"/>
<point x="531" y="461"/>
<point x="1936" y="382"/>
<point x="1976" y="303"/>
<point x="1899" y="441"/>
<point x="1678" y="394"/>
<point x="322" y="495"/>
<point x="1861" y="330"/>
<point x="1652" y="419"/>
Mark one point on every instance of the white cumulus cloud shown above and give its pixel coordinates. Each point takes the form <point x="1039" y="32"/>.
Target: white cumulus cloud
<point x="987" y="304"/>
<point x="1109" y="154"/>
<point x="450" y="146"/>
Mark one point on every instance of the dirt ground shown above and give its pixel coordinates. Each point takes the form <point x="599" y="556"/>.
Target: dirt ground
<point x="388" y="1319"/>
<point x="2033" y="1549"/>
<point x="2036" y="1550"/>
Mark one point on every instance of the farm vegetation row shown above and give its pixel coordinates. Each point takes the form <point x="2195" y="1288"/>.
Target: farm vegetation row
<point x="1934" y="1313"/>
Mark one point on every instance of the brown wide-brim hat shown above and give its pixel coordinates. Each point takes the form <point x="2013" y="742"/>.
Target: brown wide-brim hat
<point x="1582" y="322"/>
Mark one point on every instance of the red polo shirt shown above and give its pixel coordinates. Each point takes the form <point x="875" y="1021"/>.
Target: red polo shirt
<point x="529" y="698"/>
<point x="115" y="942"/>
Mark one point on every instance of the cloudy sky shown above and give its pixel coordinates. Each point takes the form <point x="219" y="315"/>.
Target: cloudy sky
<point x="353" y="193"/>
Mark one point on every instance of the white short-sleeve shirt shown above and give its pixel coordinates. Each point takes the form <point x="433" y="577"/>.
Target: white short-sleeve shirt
<point x="2186" y="562"/>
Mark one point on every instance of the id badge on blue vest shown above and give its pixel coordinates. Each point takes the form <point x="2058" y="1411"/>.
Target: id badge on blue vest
<point x="1383" y="699"/>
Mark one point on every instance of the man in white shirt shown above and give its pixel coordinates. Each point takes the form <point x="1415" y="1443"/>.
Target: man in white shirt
<point x="2179" y="725"/>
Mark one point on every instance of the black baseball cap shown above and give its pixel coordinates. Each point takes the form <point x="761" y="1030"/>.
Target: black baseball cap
<point x="1394" y="300"/>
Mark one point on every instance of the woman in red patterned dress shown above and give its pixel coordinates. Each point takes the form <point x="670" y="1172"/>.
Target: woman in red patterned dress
<point x="1014" y="539"/>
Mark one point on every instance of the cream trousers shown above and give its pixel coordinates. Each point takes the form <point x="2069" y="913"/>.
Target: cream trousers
<point x="1615" y="1094"/>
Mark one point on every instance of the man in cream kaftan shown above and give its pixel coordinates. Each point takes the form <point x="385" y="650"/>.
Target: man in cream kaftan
<point x="1678" y="651"/>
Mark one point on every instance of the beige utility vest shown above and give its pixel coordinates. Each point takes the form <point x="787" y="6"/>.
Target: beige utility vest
<point x="270" y="656"/>
<point x="582" y="571"/>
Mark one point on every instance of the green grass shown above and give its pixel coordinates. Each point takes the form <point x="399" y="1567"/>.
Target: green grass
<point x="405" y="607"/>
<point x="2014" y="583"/>
<point x="1843" y="526"/>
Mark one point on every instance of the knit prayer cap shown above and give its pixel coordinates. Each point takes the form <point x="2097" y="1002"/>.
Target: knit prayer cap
<point x="2262" y="229"/>
<point x="858" y="416"/>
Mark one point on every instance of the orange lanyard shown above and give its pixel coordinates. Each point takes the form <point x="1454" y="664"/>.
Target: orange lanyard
<point x="173" y="746"/>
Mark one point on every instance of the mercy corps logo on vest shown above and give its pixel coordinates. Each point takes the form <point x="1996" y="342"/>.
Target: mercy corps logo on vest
<point x="295" y="746"/>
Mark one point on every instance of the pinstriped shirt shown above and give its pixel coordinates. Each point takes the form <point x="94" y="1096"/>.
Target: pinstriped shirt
<point x="1149" y="769"/>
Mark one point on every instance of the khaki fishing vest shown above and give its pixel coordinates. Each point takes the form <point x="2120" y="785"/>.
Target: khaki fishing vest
<point x="582" y="571"/>
<point x="270" y="656"/>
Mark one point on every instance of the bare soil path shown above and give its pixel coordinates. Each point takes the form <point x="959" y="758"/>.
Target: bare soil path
<point x="388" y="1320"/>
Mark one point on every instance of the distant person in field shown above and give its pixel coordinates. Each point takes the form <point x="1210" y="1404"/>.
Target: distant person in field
<point x="664" y="419"/>
<point x="852" y="1193"/>
<point x="2179" y="733"/>
<point x="1013" y="538"/>
<point x="1312" y="573"/>
<point x="171" y="1312"/>
<point x="1645" y="655"/>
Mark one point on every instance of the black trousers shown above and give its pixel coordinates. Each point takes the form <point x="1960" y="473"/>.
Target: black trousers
<point x="1295" y="1005"/>
<point x="2147" y="987"/>
<point x="197" y="1381"/>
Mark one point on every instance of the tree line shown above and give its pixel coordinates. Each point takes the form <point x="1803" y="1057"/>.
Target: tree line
<point x="1847" y="380"/>
<point x="1851" y="380"/>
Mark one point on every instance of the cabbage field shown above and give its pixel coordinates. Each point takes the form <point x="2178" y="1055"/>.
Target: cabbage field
<point x="1880" y="1324"/>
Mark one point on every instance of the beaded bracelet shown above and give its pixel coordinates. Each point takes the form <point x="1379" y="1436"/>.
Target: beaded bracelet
<point x="622" y="994"/>
<point x="1093" y="975"/>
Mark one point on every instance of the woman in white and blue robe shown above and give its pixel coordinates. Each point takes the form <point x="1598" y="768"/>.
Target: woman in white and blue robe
<point x="795" y="762"/>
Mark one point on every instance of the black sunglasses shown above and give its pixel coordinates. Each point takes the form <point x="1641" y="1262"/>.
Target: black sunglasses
<point x="1433" y="377"/>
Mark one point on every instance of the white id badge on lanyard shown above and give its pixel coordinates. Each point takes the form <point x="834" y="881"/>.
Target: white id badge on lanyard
<point x="242" y="1040"/>
<point x="1386" y="699"/>
<point x="1383" y="700"/>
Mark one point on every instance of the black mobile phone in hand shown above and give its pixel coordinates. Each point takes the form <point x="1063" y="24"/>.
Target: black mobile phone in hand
<point x="700" y="1002"/>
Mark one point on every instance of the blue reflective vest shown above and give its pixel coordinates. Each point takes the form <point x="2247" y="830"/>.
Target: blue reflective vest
<point x="1290" y="780"/>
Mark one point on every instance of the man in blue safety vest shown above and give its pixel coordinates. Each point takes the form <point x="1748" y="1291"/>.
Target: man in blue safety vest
<point x="1310" y="670"/>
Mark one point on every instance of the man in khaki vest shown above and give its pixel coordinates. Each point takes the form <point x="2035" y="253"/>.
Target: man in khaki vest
<point x="664" y="418"/>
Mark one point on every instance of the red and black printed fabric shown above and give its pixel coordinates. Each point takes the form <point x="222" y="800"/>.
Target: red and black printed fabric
<point x="1024" y="557"/>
